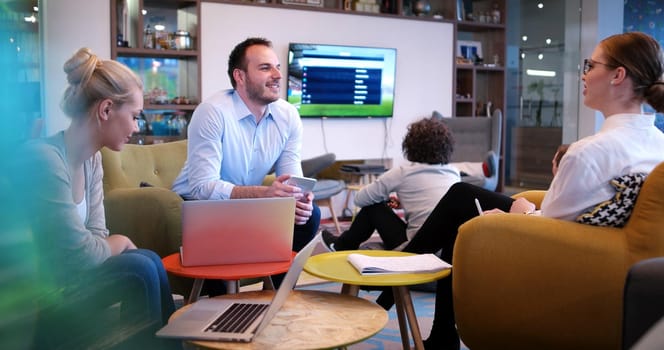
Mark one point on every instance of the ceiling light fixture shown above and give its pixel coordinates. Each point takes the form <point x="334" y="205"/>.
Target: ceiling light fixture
<point x="155" y="66"/>
<point x="540" y="73"/>
<point x="524" y="38"/>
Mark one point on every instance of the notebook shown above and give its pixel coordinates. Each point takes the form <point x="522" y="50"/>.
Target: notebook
<point x="237" y="231"/>
<point x="206" y="319"/>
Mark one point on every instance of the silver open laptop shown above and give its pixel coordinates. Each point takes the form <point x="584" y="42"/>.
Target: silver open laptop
<point x="235" y="320"/>
<point x="237" y="231"/>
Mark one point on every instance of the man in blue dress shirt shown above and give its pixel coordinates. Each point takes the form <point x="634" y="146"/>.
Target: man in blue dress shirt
<point x="237" y="136"/>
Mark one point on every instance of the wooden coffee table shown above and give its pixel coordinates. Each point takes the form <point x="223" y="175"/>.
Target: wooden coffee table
<point x="335" y="267"/>
<point x="309" y="320"/>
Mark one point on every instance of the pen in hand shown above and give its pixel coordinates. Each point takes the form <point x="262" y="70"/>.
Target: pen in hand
<point x="479" y="207"/>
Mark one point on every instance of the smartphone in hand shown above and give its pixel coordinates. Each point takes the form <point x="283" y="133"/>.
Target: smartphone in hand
<point x="305" y="183"/>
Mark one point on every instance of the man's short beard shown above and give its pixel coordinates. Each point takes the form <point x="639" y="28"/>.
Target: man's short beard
<point x="258" y="97"/>
<point x="256" y="94"/>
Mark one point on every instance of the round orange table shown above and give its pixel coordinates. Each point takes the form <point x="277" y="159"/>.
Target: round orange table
<point x="230" y="273"/>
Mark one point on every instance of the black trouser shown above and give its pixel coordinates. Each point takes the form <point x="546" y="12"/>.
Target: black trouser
<point x="439" y="231"/>
<point x="376" y="217"/>
<point x="302" y="234"/>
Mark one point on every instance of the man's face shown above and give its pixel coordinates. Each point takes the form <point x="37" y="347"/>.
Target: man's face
<point x="261" y="81"/>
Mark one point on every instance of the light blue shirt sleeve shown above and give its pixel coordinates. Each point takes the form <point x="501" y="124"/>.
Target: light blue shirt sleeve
<point x="227" y="148"/>
<point x="419" y="188"/>
<point x="290" y="161"/>
<point x="200" y="177"/>
<point x="379" y="190"/>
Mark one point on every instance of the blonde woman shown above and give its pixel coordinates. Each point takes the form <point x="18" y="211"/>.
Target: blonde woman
<point x="80" y="263"/>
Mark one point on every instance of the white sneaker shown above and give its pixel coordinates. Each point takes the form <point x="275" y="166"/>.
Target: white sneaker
<point x="328" y="240"/>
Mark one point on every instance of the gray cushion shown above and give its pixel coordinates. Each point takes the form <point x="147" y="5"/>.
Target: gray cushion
<point x="325" y="188"/>
<point x="312" y="166"/>
<point x="475" y="136"/>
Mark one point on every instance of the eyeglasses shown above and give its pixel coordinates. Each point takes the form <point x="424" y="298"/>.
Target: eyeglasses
<point x="588" y="64"/>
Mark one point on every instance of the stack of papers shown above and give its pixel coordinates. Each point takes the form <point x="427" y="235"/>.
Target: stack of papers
<point x="374" y="265"/>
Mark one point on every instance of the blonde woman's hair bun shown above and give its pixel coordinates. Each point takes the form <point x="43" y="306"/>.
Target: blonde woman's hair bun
<point x="92" y="79"/>
<point x="80" y="67"/>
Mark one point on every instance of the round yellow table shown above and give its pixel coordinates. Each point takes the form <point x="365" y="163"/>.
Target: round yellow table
<point x="308" y="320"/>
<point x="335" y="267"/>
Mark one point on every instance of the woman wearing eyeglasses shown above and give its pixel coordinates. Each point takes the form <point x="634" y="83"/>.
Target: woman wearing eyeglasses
<point x="623" y="72"/>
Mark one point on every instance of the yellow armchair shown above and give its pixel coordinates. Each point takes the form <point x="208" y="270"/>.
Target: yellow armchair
<point x="150" y="216"/>
<point x="526" y="282"/>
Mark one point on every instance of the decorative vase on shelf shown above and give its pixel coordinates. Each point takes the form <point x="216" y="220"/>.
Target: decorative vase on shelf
<point x="421" y="7"/>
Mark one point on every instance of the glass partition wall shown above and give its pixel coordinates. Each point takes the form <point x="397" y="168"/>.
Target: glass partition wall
<point x="20" y="89"/>
<point x="20" y="70"/>
<point x="542" y="87"/>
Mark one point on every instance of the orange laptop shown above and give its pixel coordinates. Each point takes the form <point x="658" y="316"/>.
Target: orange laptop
<point x="236" y="231"/>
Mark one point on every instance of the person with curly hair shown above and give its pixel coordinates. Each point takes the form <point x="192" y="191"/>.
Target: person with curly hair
<point x="416" y="187"/>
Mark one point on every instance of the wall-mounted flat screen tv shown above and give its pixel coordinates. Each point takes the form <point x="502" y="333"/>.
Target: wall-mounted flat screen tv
<point x="334" y="81"/>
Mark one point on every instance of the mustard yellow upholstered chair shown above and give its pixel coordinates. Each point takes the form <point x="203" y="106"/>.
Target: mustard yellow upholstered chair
<point x="525" y="282"/>
<point x="150" y="216"/>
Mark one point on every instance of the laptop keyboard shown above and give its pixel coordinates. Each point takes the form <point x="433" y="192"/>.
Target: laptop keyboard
<point x="237" y="318"/>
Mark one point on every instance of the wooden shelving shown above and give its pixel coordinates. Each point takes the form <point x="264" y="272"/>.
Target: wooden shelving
<point x="476" y="84"/>
<point x="483" y="81"/>
<point x="481" y="85"/>
<point x="178" y="107"/>
<point x="139" y="52"/>
<point x="171" y="72"/>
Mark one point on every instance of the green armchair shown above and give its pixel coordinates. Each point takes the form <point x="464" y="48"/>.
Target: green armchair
<point x="524" y="282"/>
<point x="152" y="215"/>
